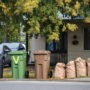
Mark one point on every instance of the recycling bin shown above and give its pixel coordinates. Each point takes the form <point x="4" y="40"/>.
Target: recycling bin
<point x="42" y="64"/>
<point x="18" y="64"/>
<point x="1" y="67"/>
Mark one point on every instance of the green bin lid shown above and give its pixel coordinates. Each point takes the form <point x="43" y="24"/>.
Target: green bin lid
<point x="18" y="52"/>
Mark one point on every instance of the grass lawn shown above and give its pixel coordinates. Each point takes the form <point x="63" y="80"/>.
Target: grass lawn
<point x="7" y="72"/>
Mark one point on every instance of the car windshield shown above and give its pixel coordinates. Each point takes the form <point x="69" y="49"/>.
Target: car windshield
<point x="12" y="46"/>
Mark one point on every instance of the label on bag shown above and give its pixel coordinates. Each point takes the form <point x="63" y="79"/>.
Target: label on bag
<point x="16" y="60"/>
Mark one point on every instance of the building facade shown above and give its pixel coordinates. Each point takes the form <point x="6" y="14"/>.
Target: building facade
<point x="71" y="45"/>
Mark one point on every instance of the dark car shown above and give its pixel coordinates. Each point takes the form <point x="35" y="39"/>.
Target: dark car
<point x="5" y="48"/>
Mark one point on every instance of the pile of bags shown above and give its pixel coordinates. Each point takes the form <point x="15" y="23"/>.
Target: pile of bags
<point x="73" y="69"/>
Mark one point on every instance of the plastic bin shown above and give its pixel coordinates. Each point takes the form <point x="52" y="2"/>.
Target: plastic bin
<point x="18" y="63"/>
<point x="42" y="63"/>
<point x="1" y="67"/>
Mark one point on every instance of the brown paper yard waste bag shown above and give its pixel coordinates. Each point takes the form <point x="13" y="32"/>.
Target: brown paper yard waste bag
<point x="70" y="70"/>
<point x="88" y="67"/>
<point x="80" y="67"/>
<point x="59" y="72"/>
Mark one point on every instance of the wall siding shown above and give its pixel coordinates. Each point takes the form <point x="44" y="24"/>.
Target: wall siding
<point x="36" y="44"/>
<point x="75" y="51"/>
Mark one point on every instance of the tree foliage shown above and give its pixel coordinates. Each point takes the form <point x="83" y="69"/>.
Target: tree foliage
<point x="45" y="20"/>
<point x="74" y="8"/>
<point x="11" y="15"/>
<point x="42" y="16"/>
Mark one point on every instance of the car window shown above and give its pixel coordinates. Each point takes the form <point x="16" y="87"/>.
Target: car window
<point x="1" y="48"/>
<point x="13" y="46"/>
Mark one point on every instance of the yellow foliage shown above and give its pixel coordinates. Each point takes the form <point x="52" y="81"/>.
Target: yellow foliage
<point x="60" y="3"/>
<point x="87" y="19"/>
<point x="64" y="28"/>
<point x="54" y="36"/>
<point x="77" y="5"/>
<point x="74" y="13"/>
<point x="67" y="1"/>
<point x="86" y="2"/>
<point x="16" y="11"/>
<point x="34" y="26"/>
<point x="3" y="5"/>
<point x="4" y="8"/>
<point x="26" y="6"/>
<point x="37" y="28"/>
<point x="29" y="5"/>
<point x="72" y="27"/>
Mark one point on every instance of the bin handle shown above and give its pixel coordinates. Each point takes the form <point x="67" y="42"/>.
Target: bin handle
<point x="16" y="59"/>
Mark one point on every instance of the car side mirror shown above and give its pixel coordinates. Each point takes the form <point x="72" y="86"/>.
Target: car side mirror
<point x="21" y="47"/>
<point x="6" y="49"/>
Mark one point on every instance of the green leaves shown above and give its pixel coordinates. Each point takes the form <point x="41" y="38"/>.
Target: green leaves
<point x="71" y="27"/>
<point x="34" y="26"/>
<point x="73" y="7"/>
<point x="42" y="15"/>
<point x="12" y="12"/>
<point x="87" y="19"/>
<point x="26" y="6"/>
<point x="45" y="20"/>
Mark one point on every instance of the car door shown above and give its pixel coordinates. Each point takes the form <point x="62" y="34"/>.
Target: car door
<point x="5" y="55"/>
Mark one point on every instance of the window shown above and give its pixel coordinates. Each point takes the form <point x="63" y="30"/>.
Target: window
<point x="86" y="39"/>
<point x="53" y="46"/>
<point x="58" y="49"/>
<point x="58" y="46"/>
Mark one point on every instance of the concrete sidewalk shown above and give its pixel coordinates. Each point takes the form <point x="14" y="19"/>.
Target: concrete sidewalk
<point x="44" y="85"/>
<point x="80" y="79"/>
<point x="64" y="80"/>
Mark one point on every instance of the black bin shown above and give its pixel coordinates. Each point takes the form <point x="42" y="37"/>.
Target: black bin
<point x="1" y="68"/>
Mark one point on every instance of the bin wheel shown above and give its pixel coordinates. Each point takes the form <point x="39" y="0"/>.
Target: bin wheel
<point x="9" y="65"/>
<point x="27" y="74"/>
<point x="50" y="74"/>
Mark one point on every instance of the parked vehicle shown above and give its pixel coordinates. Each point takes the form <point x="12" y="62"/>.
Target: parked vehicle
<point x="5" y="48"/>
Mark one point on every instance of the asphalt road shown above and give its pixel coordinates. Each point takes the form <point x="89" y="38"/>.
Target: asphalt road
<point x="44" y="85"/>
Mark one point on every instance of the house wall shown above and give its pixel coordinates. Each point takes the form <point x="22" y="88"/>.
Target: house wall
<point x="75" y="51"/>
<point x="36" y="44"/>
<point x="40" y="44"/>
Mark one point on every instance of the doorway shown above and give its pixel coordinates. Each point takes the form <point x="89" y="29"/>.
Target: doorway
<point x="63" y="47"/>
<point x="58" y="49"/>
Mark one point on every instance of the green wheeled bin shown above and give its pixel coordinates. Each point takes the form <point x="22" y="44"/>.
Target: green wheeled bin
<point x="18" y="63"/>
